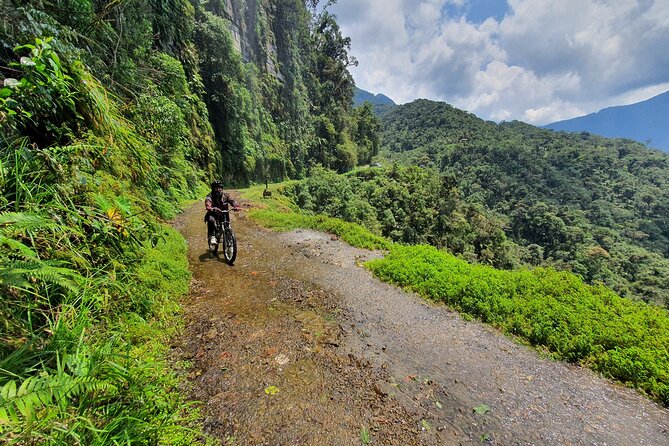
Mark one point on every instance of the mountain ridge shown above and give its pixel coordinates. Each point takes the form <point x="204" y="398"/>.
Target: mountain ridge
<point x="643" y="121"/>
<point x="381" y="103"/>
<point x="361" y="96"/>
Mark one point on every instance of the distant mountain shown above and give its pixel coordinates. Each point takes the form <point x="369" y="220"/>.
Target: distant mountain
<point x="380" y="102"/>
<point x="644" y="122"/>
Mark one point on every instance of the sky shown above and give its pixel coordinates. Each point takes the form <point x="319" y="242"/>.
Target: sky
<point x="537" y="61"/>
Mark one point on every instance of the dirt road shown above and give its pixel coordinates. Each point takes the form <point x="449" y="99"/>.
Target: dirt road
<point x="298" y="345"/>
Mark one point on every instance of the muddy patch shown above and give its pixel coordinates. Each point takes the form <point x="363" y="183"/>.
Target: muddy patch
<point x="266" y="364"/>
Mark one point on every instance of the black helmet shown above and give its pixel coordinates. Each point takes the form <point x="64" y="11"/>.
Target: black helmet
<point x="216" y="183"/>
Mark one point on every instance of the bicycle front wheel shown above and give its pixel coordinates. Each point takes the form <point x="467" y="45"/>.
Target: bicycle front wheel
<point x="230" y="246"/>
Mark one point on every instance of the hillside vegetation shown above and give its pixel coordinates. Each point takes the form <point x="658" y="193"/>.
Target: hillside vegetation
<point x="595" y="206"/>
<point x="113" y="115"/>
<point x="554" y="311"/>
<point x="89" y="278"/>
<point x="557" y="211"/>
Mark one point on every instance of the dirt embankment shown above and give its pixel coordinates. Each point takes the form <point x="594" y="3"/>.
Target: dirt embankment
<point x="298" y="345"/>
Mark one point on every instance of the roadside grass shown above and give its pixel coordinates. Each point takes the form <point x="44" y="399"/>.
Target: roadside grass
<point x="86" y="330"/>
<point x="90" y="278"/>
<point x="280" y="214"/>
<point x="91" y="352"/>
<point x="579" y="323"/>
<point x="554" y="311"/>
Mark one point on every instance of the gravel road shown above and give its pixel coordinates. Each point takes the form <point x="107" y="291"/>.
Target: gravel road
<point x="297" y="344"/>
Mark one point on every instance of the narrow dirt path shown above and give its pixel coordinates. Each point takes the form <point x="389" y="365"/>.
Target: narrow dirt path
<point x="297" y="345"/>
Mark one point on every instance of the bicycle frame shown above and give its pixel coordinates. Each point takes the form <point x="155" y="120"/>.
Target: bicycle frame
<point x="224" y="235"/>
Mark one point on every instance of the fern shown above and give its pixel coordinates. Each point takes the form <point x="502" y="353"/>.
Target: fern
<point x="19" y="248"/>
<point x="22" y="222"/>
<point x="102" y="202"/>
<point x="17" y="227"/>
<point x="21" y="404"/>
<point x="124" y="205"/>
<point x="28" y="274"/>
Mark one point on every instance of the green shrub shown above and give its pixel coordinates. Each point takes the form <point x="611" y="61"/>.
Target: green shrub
<point x="351" y="233"/>
<point x="585" y="324"/>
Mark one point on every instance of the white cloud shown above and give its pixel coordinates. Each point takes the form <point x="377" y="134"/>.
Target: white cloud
<point x="612" y="45"/>
<point x="546" y="60"/>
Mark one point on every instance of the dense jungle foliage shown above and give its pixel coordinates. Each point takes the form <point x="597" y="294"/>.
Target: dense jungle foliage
<point x="112" y="115"/>
<point x="512" y="195"/>
<point x="410" y="205"/>
<point x="596" y="206"/>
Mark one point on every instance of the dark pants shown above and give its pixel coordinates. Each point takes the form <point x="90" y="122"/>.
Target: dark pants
<point x="210" y="219"/>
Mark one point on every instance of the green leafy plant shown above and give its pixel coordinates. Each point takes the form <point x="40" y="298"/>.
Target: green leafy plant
<point x="481" y="409"/>
<point x="365" y="437"/>
<point x="485" y="437"/>
<point x="88" y="278"/>
<point x="42" y="397"/>
<point x="555" y="310"/>
<point x="43" y="98"/>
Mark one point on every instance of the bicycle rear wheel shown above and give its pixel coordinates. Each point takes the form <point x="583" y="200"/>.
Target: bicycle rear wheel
<point x="230" y="246"/>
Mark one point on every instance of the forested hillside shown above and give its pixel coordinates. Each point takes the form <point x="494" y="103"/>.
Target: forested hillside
<point x="273" y="77"/>
<point x="113" y="114"/>
<point x="556" y="209"/>
<point x="512" y="195"/>
<point x="598" y="207"/>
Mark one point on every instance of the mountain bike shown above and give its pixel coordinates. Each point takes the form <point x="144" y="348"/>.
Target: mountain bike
<point x="224" y="236"/>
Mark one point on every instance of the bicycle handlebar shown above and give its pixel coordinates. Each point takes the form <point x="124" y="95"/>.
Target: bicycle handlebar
<point x="226" y="210"/>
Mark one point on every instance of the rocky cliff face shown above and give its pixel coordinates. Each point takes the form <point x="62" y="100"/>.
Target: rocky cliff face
<point x="249" y="24"/>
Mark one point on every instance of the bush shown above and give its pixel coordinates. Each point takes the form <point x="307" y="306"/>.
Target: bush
<point x="576" y="322"/>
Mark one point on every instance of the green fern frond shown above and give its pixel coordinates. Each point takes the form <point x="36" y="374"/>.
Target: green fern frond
<point x="102" y="202"/>
<point x="24" y="225"/>
<point x="19" y="248"/>
<point x="28" y="274"/>
<point x="38" y="392"/>
<point x="124" y="205"/>
<point x="22" y="222"/>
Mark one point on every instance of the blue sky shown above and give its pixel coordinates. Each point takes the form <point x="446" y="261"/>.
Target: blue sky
<point x="538" y="61"/>
<point x="477" y="11"/>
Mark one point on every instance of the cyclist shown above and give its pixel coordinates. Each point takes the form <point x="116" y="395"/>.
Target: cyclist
<point x="214" y="203"/>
